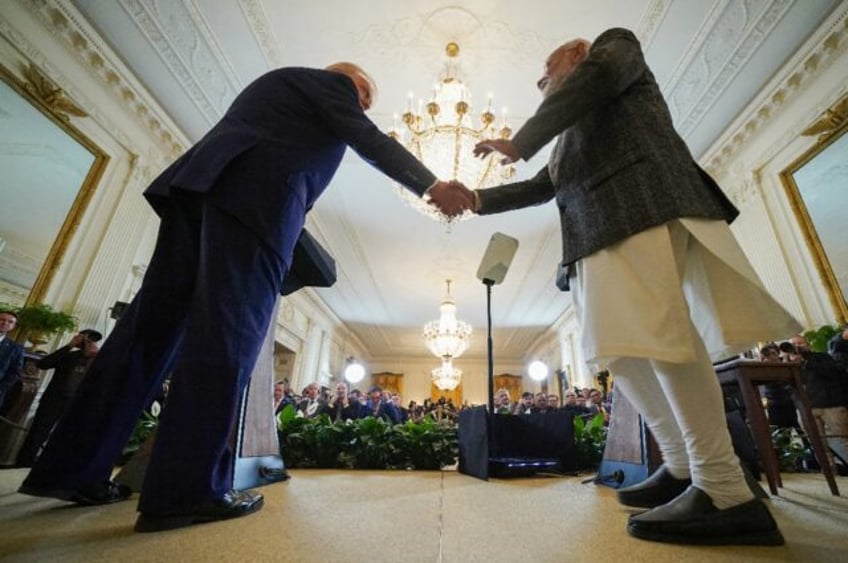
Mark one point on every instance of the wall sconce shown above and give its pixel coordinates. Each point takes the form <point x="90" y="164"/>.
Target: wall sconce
<point x="538" y="370"/>
<point x="353" y="371"/>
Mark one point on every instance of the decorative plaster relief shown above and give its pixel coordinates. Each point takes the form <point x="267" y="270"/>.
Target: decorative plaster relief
<point x="653" y="15"/>
<point x="728" y="46"/>
<point x="729" y="64"/>
<point x="257" y="22"/>
<point x="181" y="37"/>
<point x="808" y="66"/>
<point x="66" y="24"/>
<point x="411" y="41"/>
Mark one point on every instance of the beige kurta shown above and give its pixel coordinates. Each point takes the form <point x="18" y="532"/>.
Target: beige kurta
<point x="635" y="298"/>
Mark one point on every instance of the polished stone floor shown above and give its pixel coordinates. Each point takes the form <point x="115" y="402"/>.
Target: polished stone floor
<point x="376" y="516"/>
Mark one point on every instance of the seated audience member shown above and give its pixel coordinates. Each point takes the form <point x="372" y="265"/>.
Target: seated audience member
<point x="541" y="403"/>
<point x="553" y="402"/>
<point x="70" y="364"/>
<point x="525" y="405"/>
<point x="341" y="407"/>
<point x="595" y="405"/>
<point x="571" y="405"/>
<point x="503" y="405"/>
<point x="402" y="412"/>
<point x="779" y="403"/>
<point x="837" y="347"/>
<point x="357" y="396"/>
<point x="825" y="382"/>
<point x="11" y="355"/>
<point x="311" y="403"/>
<point x="282" y="396"/>
<point x="378" y="407"/>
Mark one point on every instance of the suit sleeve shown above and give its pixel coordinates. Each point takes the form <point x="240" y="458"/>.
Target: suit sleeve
<point x="535" y="191"/>
<point x="338" y="103"/>
<point x="614" y="62"/>
<point x="52" y="360"/>
<point x="13" y="372"/>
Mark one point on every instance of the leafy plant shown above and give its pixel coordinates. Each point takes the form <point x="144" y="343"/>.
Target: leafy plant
<point x="819" y="337"/>
<point x="367" y="443"/>
<point x="40" y="317"/>
<point x="590" y="437"/>
<point x="144" y="428"/>
<point x="789" y="447"/>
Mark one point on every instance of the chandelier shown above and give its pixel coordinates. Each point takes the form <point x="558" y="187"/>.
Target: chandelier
<point x="442" y="135"/>
<point x="447" y="337"/>
<point x="446" y="377"/>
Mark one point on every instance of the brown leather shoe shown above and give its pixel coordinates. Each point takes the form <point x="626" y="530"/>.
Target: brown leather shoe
<point x="233" y="505"/>
<point x="660" y="488"/>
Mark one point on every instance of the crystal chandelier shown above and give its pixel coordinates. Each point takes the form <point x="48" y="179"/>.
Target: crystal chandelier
<point x="446" y="377"/>
<point x="442" y="134"/>
<point x="447" y="337"/>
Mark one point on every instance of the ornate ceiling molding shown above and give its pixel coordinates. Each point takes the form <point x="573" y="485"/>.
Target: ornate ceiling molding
<point x="62" y="19"/>
<point x="653" y="15"/>
<point x="257" y="21"/>
<point x="413" y="40"/>
<point x="727" y="42"/>
<point x="829" y="43"/>
<point x="182" y="38"/>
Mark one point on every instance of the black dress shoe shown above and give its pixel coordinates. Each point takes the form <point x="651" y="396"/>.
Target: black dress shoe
<point x="92" y="494"/>
<point x="660" y="488"/>
<point x="233" y="505"/>
<point x="692" y="518"/>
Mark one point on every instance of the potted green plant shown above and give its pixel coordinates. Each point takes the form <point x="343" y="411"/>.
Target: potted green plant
<point x="39" y="321"/>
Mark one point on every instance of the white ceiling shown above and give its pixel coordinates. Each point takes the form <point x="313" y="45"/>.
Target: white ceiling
<point x="710" y="58"/>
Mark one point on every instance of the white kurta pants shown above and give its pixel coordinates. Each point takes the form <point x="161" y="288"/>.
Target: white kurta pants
<point x="655" y="308"/>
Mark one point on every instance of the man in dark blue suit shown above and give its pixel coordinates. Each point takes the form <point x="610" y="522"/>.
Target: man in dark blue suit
<point x="231" y="210"/>
<point x="11" y="355"/>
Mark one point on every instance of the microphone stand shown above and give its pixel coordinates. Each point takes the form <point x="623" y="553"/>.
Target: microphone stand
<point x="489" y="283"/>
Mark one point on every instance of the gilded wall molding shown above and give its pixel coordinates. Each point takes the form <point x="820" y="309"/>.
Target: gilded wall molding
<point x="257" y="21"/>
<point x="831" y="122"/>
<point x="830" y="44"/>
<point x="62" y="20"/>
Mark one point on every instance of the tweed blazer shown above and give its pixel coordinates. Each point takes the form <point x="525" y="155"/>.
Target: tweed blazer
<point x="618" y="167"/>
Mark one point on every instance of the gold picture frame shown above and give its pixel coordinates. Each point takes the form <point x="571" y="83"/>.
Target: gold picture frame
<point x="816" y="185"/>
<point x="51" y="102"/>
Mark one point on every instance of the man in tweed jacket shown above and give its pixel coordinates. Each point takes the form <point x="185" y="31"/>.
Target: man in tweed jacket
<point x="659" y="283"/>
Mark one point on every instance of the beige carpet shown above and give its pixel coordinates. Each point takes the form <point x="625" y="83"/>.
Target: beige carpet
<point x="375" y="516"/>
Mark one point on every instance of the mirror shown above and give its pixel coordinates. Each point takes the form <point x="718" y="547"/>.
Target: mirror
<point x="48" y="172"/>
<point x="816" y="184"/>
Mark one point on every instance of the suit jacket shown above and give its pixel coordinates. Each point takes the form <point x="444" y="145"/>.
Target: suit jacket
<point x="276" y="149"/>
<point x="618" y="167"/>
<point x="11" y="365"/>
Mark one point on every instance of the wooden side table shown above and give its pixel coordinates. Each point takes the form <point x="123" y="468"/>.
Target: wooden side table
<point x="749" y="375"/>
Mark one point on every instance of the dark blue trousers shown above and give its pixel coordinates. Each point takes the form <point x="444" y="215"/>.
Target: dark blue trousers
<point x="201" y="315"/>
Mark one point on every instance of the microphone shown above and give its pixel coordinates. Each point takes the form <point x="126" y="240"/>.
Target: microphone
<point x="497" y="259"/>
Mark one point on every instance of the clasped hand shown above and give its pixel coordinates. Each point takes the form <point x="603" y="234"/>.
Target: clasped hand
<point x="451" y="198"/>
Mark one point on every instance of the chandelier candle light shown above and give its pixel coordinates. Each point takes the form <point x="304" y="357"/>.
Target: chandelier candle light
<point x="447" y="338"/>
<point x="442" y="135"/>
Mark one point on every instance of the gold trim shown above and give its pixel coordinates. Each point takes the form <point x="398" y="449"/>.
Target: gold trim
<point x="51" y="101"/>
<point x="832" y="124"/>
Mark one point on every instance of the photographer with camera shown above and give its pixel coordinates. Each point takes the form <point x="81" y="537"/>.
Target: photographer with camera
<point x="70" y="364"/>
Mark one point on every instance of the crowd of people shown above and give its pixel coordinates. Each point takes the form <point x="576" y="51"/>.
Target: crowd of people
<point x="351" y="404"/>
<point x="825" y="379"/>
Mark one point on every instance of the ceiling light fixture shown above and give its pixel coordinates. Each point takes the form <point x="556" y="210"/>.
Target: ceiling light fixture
<point x="442" y="134"/>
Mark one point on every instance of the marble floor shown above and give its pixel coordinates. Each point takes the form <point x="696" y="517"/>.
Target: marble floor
<point x="392" y="516"/>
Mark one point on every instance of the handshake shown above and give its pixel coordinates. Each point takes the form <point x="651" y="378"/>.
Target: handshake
<point x="453" y="198"/>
